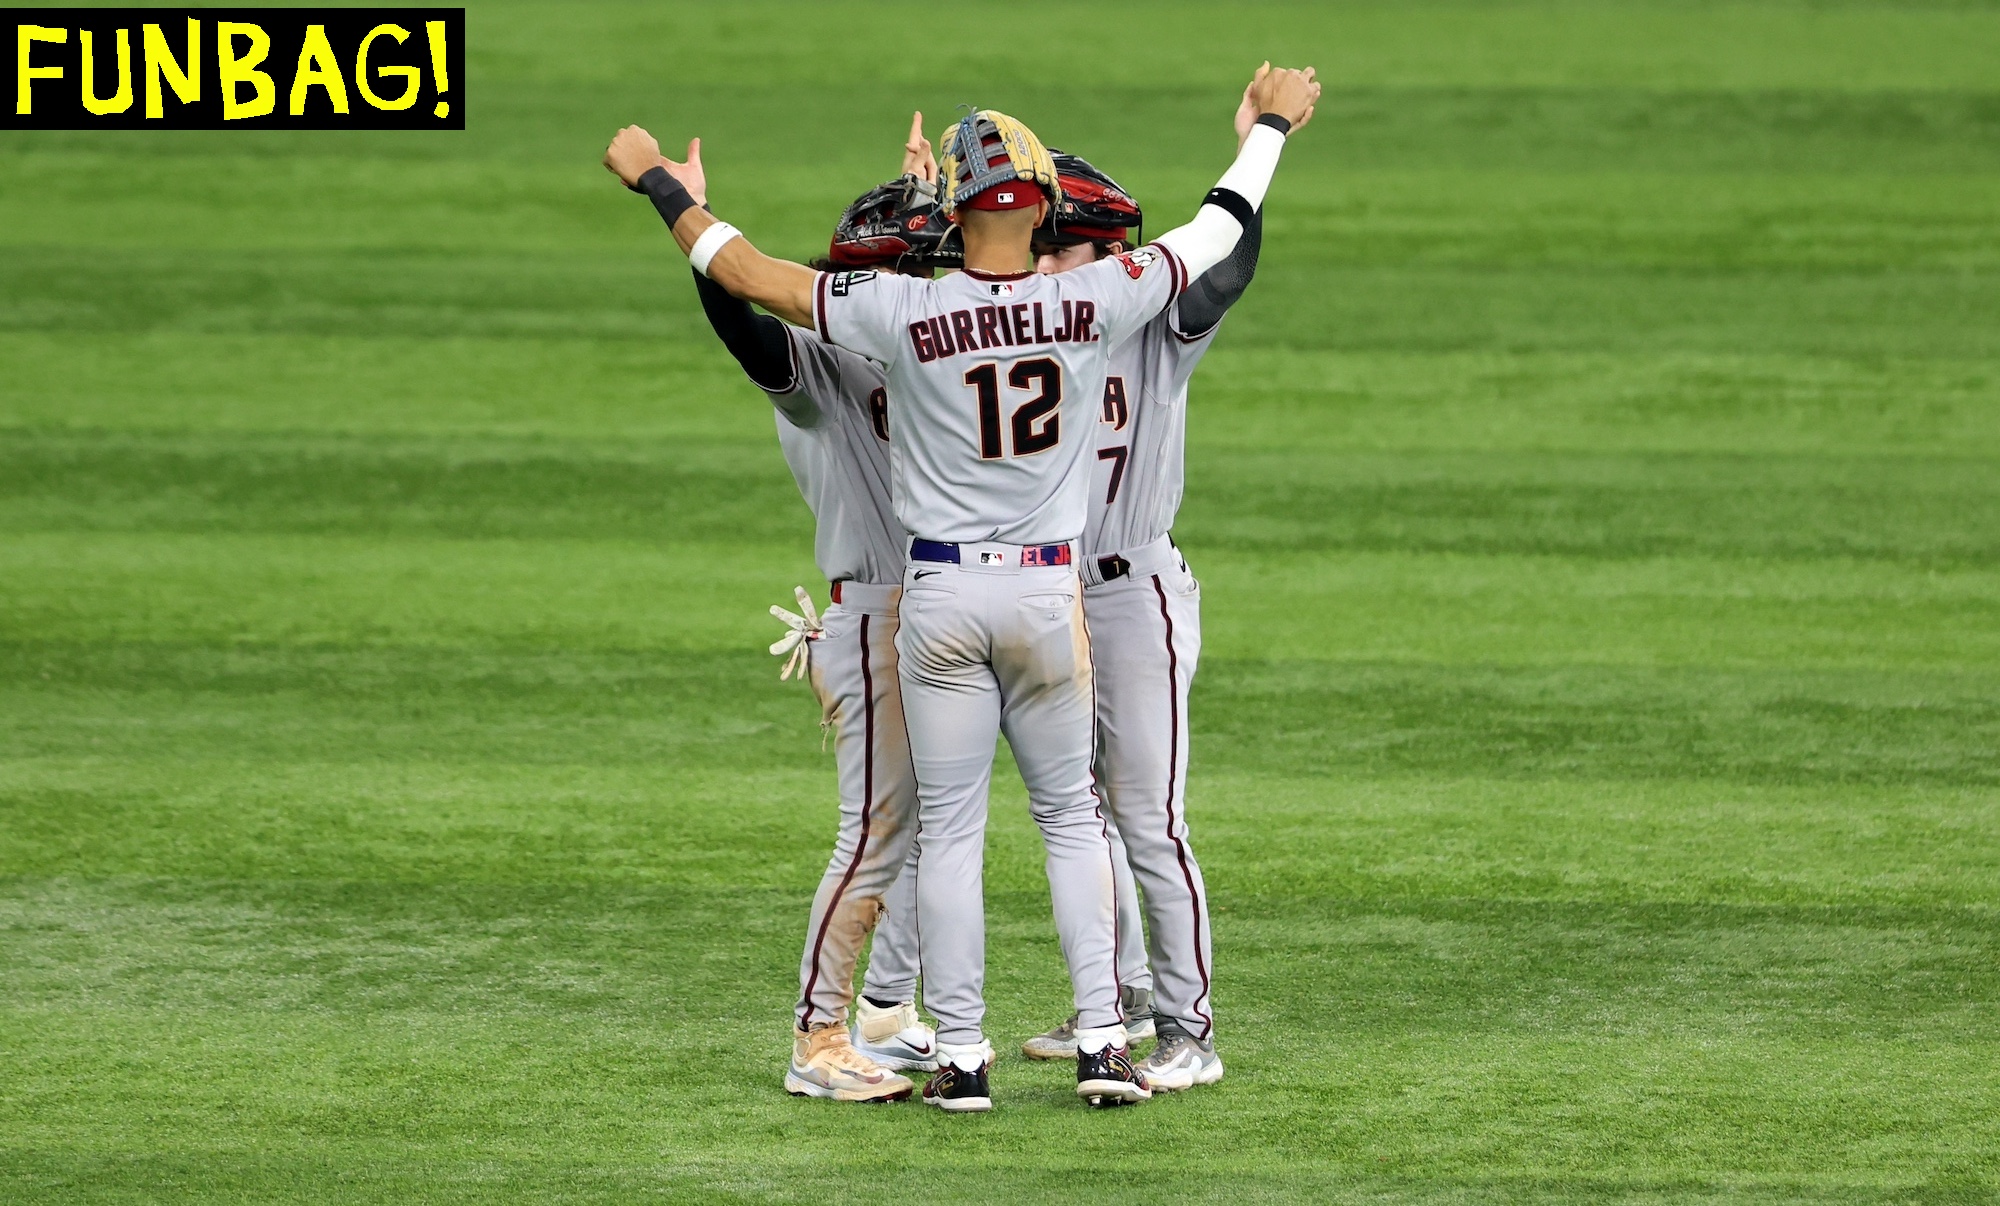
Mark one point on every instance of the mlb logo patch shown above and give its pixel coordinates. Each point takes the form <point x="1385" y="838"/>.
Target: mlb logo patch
<point x="1004" y="198"/>
<point x="992" y="558"/>
<point x="1001" y="289"/>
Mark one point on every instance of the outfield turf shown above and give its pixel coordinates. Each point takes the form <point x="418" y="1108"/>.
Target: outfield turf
<point x="1597" y="743"/>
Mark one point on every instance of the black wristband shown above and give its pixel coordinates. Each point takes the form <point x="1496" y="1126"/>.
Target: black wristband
<point x="1280" y="124"/>
<point x="669" y="195"/>
<point x="1236" y="203"/>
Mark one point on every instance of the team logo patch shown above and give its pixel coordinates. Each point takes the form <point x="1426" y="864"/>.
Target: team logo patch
<point x="1136" y="262"/>
<point x="1001" y="289"/>
<point x="844" y="281"/>
<point x="992" y="558"/>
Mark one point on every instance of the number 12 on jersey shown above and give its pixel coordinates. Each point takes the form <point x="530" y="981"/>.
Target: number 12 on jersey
<point x="1036" y="423"/>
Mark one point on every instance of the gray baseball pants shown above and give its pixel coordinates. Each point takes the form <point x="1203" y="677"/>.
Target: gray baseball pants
<point x="854" y="673"/>
<point x="1145" y="640"/>
<point x="1134" y="968"/>
<point x="988" y="646"/>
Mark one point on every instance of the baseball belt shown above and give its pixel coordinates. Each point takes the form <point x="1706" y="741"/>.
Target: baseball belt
<point x="1028" y="556"/>
<point x="1141" y="561"/>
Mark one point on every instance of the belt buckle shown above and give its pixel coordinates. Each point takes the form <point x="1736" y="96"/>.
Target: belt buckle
<point x="1113" y="567"/>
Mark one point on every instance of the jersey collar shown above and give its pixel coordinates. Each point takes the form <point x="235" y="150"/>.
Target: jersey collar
<point x="977" y="275"/>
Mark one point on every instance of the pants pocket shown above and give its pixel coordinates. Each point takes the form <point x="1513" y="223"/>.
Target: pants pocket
<point x="1054" y="603"/>
<point x="1051" y="635"/>
<point x="916" y="598"/>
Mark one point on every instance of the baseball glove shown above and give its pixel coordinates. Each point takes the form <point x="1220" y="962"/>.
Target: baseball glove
<point x="986" y="148"/>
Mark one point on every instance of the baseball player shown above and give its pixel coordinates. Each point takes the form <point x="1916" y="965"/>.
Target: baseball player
<point x="988" y="368"/>
<point x="1144" y="611"/>
<point x="833" y="429"/>
<point x="1136" y="646"/>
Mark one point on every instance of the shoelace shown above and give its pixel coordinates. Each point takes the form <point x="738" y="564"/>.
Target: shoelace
<point x="852" y="1060"/>
<point x="844" y="1055"/>
<point x="804" y="628"/>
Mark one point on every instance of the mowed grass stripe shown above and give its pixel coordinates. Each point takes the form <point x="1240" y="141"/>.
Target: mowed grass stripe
<point x="608" y="595"/>
<point x="1378" y="970"/>
<point x="611" y="398"/>
<point x="1929" y="510"/>
<point x="679" y="824"/>
<point x="1287" y="718"/>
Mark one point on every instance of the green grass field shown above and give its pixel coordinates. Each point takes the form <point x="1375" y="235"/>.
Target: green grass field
<point x="1597" y="756"/>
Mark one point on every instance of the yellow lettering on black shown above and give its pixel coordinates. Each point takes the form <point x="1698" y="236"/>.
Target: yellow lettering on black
<point x="24" y="75"/>
<point x="160" y="61"/>
<point x="231" y="71"/>
<point x="317" y="66"/>
<point x="412" y="74"/>
<point x="440" y="71"/>
<point x="121" y="100"/>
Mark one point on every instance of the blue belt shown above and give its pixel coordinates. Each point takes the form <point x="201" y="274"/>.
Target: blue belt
<point x="1031" y="555"/>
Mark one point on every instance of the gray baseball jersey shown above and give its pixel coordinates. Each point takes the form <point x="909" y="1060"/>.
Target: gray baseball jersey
<point x="995" y="385"/>
<point x="833" y="425"/>
<point x="1137" y="480"/>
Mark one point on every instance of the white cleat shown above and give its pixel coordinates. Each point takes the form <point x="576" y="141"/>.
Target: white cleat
<point x="895" y="1038"/>
<point x="825" y="1064"/>
<point x="1181" y="1061"/>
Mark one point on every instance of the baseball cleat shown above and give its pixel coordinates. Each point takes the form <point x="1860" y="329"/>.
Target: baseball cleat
<point x="1060" y="1041"/>
<point x="895" y="1038"/>
<point x="1181" y="1060"/>
<point x="957" y="1087"/>
<point x="1056" y="1043"/>
<point x="825" y="1064"/>
<point x="1105" y="1076"/>
<point x="1138" y="1006"/>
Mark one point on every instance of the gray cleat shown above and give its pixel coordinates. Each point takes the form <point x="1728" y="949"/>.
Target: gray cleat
<point x="1060" y="1042"/>
<point x="1138" y="1006"/>
<point x="1181" y="1061"/>
<point x="1057" y="1043"/>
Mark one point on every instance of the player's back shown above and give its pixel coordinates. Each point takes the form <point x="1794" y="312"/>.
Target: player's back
<point x="995" y="381"/>
<point x="833" y="427"/>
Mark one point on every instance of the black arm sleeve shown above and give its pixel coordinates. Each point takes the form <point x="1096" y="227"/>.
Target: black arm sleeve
<point x="758" y="341"/>
<point x="1214" y="291"/>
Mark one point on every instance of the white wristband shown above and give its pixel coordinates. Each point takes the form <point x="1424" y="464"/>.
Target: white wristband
<point x="710" y="242"/>
<point x="1250" y="176"/>
<point x="1208" y="239"/>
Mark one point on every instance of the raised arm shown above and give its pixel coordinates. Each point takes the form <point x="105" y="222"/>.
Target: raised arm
<point x="758" y="341"/>
<point x="1284" y="99"/>
<point x="1214" y="291"/>
<point x="716" y="249"/>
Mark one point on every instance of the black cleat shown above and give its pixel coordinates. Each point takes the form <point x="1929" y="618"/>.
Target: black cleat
<point x="1107" y="1078"/>
<point x="955" y="1089"/>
